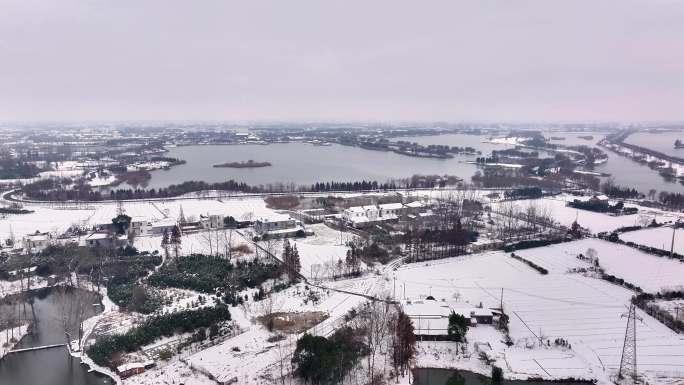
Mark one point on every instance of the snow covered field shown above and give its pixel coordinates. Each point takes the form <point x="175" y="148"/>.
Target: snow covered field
<point x="203" y="242"/>
<point x="650" y="272"/>
<point x="660" y="238"/>
<point x="595" y="222"/>
<point x="249" y="358"/>
<point x="585" y="311"/>
<point x="59" y="217"/>
<point x="320" y="252"/>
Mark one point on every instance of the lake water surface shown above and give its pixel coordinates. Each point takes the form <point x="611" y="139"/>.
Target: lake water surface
<point x="302" y="164"/>
<point x="661" y="142"/>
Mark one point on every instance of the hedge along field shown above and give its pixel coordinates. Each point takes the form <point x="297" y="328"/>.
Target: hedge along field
<point x="105" y="348"/>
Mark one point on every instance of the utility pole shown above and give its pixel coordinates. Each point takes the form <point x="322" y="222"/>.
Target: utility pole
<point x="674" y="229"/>
<point x="501" y="305"/>
<point x="394" y="293"/>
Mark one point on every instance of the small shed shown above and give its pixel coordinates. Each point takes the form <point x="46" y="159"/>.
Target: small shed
<point x="130" y="369"/>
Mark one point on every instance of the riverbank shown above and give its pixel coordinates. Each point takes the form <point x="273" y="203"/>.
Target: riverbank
<point x="8" y="288"/>
<point x="109" y="308"/>
<point x="16" y="333"/>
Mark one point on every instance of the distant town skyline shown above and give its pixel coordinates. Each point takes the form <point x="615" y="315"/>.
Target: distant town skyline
<point x="380" y="61"/>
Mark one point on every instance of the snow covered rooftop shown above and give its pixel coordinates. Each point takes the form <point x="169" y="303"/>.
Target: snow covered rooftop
<point x="95" y="236"/>
<point x="275" y="217"/>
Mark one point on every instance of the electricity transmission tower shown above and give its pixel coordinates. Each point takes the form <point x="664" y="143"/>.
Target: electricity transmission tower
<point x="628" y="362"/>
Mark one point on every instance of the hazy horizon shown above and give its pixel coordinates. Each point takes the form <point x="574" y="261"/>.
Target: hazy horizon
<point x="363" y="62"/>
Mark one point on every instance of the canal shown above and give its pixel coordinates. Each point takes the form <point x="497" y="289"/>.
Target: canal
<point x="50" y="310"/>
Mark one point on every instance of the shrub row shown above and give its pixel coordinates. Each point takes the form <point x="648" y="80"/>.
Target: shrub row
<point x="531" y="264"/>
<point x="532" y="243"/>
<point x="102" y="351"/>
<point x="615" y="238"/>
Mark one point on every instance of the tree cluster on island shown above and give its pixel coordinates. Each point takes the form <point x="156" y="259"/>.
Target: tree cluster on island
<point x="248" y="164"/>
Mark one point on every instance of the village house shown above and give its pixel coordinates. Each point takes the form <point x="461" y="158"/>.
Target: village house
<point x="105" y="240"/>
<point x="430" y="317"/>
<point x="139" y="226"/>
<point x="158" y="227"/>
<point x="211" y="221"/>
<point x="369" y="215"/>
<point x="278" y="226"/>
<point x="37" y="242"/>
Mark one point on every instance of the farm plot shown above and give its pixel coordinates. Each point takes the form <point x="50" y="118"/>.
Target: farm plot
<point x="44" y="219"/>
<point x="647" y="271"/>
<point x="253" y="358"/>
<point x="240" y="209"/>
<point x="203" y="242"/>
<point x="659" y="237"/>
<point x="584" y="311"/>
<point x="595" y="222"/>
<point x="320" y="252"/>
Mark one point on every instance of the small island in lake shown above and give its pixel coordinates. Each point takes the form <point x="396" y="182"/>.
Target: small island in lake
<point x="248" y="164"/>
<point x="679" y="144"/>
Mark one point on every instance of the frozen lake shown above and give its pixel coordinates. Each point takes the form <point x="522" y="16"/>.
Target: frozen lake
<point x="301" y="163"/>
<point x="661" y="142"/>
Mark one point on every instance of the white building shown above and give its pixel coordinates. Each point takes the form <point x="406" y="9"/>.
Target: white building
<point x="430" y="317"/>
<point x="37" y="241"/>
<point x="106" y="240"/>
<point x="139" y="226"/>
<point x="277" y="225"/>
<point x="211" y="221"/>
<point x="159" y="226"/>
<point x="362" y="216"/>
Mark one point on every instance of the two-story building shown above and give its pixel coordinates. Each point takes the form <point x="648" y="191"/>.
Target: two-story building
<point x="37" y="242"/>
<point x="369" y="215"/>
<point x="211" y="221"/>
<point x="277" y="226"/>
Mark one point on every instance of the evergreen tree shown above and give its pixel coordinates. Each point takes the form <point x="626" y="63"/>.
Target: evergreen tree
<point x="165" y="243"/>
<point x="176" y="240"/>
<point x="458" y="326"/>
<point x="405" y="345"/>
<point x="181" y="217"/>
<point x="296" y="263"/>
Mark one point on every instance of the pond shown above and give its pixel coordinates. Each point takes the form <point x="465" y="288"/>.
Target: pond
<point x="50" y="309"/>
<point x="442" y="376"/>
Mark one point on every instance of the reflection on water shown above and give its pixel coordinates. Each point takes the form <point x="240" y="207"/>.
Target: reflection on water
<point x="50" y="309"/>
<point x="463" y="377"/>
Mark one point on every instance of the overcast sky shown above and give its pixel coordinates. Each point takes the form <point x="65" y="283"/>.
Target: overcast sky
<point x="342" y="60"/>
